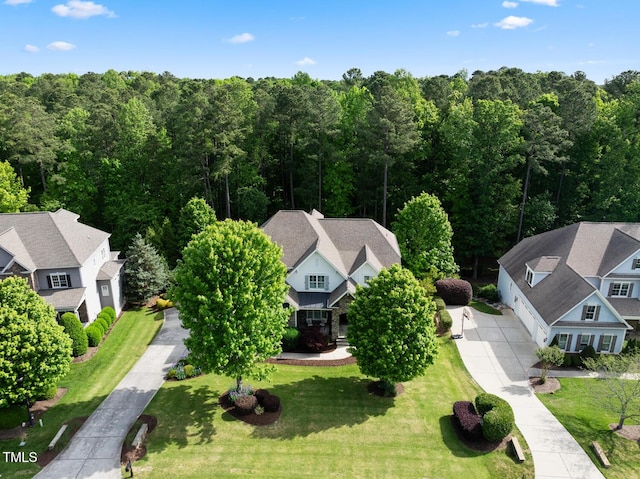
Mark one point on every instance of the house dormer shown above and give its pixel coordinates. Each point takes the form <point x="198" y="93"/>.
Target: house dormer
<point x="539" y="268"/>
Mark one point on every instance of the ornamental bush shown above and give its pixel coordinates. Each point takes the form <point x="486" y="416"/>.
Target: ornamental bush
<point x="489" y="292"/>
<point x="189" y="370"/>
<point x="162" y="304"/>
<point x="445" y="320"/>
<point x="246" y="404"/>
<point x="74" y="329"/>
<point x="468" y="420"/>
<point x="109" y="311"/>
<point x="260" y="394"/>
<point x="106" y="318"/>
<point x="440" y="304"/>
<point x="497" y="416"/>
<point x="313" y="339"/>
<point x="454" y="291"/>
<point x="290" y="339"/>
<point x="102" y="323"/>
<point x="271" y="403"/>
<point x="94" y="334"/>
<point x="588" y="352"/>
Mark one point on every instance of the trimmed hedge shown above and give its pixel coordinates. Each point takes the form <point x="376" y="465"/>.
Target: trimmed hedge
<point x="102" y="323"/>
<point x="313" y="339"/>
<point x="588" y="352"/>
<point x="489" y="292"/>
<point x="110" y="312"/>
<point x="246" y="404"/>
<point x="290" y="339"/>
<point x="497" y="416"/>
<point x="457" y="292"/>
<point x="445" y="320"/>
<point x="271" y="403"/>
<point x="163" y="303"/>
<point x="260" y="394"/>
<point x="94" y="334"/>
<point x="468" y="420"/>
<point x="74" y="329"/>
<point x="440" y="304"/>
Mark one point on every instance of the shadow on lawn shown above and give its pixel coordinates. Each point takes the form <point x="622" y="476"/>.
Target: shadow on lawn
<point x="318" y="404"/>
<point x="451" y="440"/>
<point x="187" y="412"/>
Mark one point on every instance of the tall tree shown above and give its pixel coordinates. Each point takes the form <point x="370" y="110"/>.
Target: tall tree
<point x="424" y="236"/>
<point x="35" y="352"/>
<point x="13" y="196"/>
<point x="392" y="328"/>
<point x="146" y="272"/>
<point x="195" y="216"/>
<point x="229" y="289"/>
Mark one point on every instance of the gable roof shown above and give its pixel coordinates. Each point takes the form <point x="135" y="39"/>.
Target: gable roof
<point x="346" y="243"/>
<point x="571" y="254"/>
<point x="45" y="240"/>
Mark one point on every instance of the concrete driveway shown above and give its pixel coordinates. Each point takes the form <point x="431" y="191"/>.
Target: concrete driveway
<point x="498" y="353"/>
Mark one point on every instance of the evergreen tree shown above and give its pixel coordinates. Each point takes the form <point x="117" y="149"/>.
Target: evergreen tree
<point x="146" y="272"/>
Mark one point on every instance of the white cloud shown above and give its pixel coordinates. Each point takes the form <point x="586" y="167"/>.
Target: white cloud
<point x="306" y="61"/>
<point x="453" y="33"/>
<point x="79" y="9"/>
<point x="61" y="46"/>
<point x="242" y="38"/>
<point x="31" y="48"/>
<point x="480" y="25"/>
<point x="16" y="2"/>
<point x="511" y="22"/>
<point x="507" y="4"/>
<point x="550" y="3"/>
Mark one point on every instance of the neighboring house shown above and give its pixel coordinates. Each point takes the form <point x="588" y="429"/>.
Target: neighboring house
<point x="67" y="263"/>
<point x="580" y="283"/>
<point x="326" y="258"/>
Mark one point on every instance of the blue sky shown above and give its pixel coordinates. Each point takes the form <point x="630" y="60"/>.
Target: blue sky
<point x="259" y="38"/>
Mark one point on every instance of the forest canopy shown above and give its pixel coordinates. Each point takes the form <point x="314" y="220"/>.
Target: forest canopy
<point x="508" y="153"/>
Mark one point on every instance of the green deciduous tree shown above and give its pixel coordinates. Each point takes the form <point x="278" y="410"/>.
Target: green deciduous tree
<point x="32" y="344"/>
<point x="13" y="197"/>
<point x="549" y="356"/>
<point x="392" y="329"/>
<point x="146" y="272"/>
<point x="195" y="216"/>
<point x="424" y="236"/>
<point x="230" y="290"/>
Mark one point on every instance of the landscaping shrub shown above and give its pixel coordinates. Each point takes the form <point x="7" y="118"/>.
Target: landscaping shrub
<point x="468" y="420"/>
<point x="189" y="370"/>
<point x="259" y="410"/>
<point x="497" y="416"/>
<point x="567" y="361"/>
<point x="245" y="390"/>
<point x="260" y="394"/>
<point x="290" y="339"/>
<point x="440" y="304"/>
<point x="94" y="334"/>
<point x="489" y="292"/>
<point x="49" y="393"/>
<point x="171" y="374"/>
<point x="102" y="323"/>
<point x="588" y="352"/>
<point x="163" y="303"/>
<point x="271" y="403"/>
<point x="246" y="404"/>
<point x="313" y="339"/>
<point x="74" y="329"/>
<point x="576" y="361"/>
<point x="454" y="291"/>
<point x="632" y="347"/>
<point x="554" y="341"/>
<point x="110" y="312"/>
<point x="445" y="320"/>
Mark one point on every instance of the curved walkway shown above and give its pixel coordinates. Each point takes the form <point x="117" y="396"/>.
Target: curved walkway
<point x="94" y="451"/>
<point x="499" y="353"/>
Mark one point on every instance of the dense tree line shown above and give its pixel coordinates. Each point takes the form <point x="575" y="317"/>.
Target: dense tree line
<point x="508" y="153"/>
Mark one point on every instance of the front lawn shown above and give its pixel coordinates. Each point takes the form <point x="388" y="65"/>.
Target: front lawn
<point x="575" y="407"/>
<point x="330" y="427"/>
<point x="88" y="384"/>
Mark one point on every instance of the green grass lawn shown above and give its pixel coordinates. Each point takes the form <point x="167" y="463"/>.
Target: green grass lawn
<point x="584" y="417"/>
<point x="330" y="427"/>
<point x="485" y="308"/>
<point x="88" y="384"/>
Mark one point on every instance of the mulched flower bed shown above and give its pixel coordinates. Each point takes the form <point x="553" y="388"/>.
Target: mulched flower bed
<point x="254" y="419"/>
<point x="480" y="446"/>
<point x="132" y="454"/>
<point x="374" y="388"/>
<point x="550" y="386"/>
<point x="313" y="362"/>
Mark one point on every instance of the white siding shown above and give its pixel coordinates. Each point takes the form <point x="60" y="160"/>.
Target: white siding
<point x="314" y="264"/>
<point x="605" y="314"/>
<point x="365" y="270"/>
<point x="89" y="272"/>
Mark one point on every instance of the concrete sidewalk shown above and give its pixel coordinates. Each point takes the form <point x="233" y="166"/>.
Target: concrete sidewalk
<point x="499" y="354"/>
<point x="94" y="451"/>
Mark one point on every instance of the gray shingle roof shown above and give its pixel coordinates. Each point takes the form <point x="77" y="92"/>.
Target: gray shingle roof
<point x="579" y="250"/>
<point x="346" y="242"/>
<point x="50" y="240"/>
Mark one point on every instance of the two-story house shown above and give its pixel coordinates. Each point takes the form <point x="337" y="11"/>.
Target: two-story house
<point x="67" y="263"/>
<point x="326" y="258"/>
<point x="579" y="284"/>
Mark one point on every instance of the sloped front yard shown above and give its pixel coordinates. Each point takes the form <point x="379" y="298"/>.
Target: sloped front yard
<point x="330" y="426"/>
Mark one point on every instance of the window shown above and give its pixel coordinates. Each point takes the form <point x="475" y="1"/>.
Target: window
<point x="585" y="340"/>
<point x="636" y="264"/>
<point x="590" y="312"/>
<point x="59" y="280"/>
<point x="315" y="281"/>
<point x="367" y="278"/>
<point x="620" y="290"/>
<point x="563" y="339"/>
<point x="605" y="343"/>
<point x="105" y="290"/>
<point x="316" y="315"/>
<point x="529" y="277"/>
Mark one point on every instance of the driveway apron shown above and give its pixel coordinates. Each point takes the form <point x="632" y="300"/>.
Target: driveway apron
<point x="94" y="451"/>
<point x="498" y="353"/>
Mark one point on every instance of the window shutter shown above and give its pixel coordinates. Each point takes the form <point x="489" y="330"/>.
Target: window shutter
<point x="629" y="295"/>
<point x="306" y="282"/>
<point x="610" y="289"/>
<point x="600" y="341"/>
<point x="68" y="281"/>
<point x="568" y="347"/>
<point x="612" y="349"/>
<point x="591" y="338"/>
<point x="633" y="263"/>
<point x="326" y="283"/>
<point x="578" y="342"/>
<point x="584" y="313"/>
<point x="49" y="281"/>
<point x="597" y="313"/>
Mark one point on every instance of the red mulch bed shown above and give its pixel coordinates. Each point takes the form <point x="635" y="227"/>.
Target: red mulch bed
<point x="254" y="419"/>
<point x="480" y="446"/>
<point x="132" y="454"/>
<point x="313" y="362"/>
